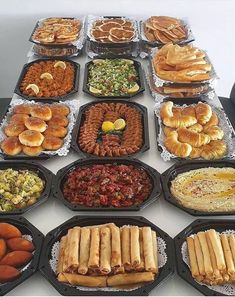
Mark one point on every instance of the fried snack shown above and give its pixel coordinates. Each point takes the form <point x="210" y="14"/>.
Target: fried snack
<point x="31" y="138"/>
<point x="193" y="259"/>
<point x="13" y="129"/>
<point x="52" y="143"/>
<point x="22" y="109"/>
<point x="116" y="261"/>
<point x="141" y="266"/>
<point x="150" y="264"/>
<point x="11" y="146"/>
<point x="73" y="241"/>
<point x="214" y="132"/>
<point x="175" y="147"/>
<point x="155" y="249"/>
<point x="82" y="280"/>
<point x="8" y="231"/>
<point x="35" y="124"/>
<point x="94" y="249"/>
<point x="58" y="120"/>
<point x="181" y="64"/>
<point x="8" y="273"/>
<point x="20" y="244"/>
<point x="113" y="30"/>
<point x="206" y="254"/>
<point x="126" y="253"/>
<point x="63" y="242"/>
<point x="135" y="247"/>
<point x="193" y="138"/>
<point x="16" y="259"/>
<point x="165" y="29"/>
<point x="199" y="255"/>
<point x="57" y="31"/>
<point x="3" y="248"/>
<point x="130" y="278"/>
<point x="227" y="254"/>
<point x="19" y="118"/>
<point x="84" y="250"/>
<point x="232" y="245"/>
<point x="105" y="253"/>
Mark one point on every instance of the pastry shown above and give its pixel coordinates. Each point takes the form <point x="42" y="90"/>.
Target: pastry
<point x="179" y="121"/>
<point x="13" y="129"/>
<point x="59" y="109"/>
<point x="32" y="150"/>
<point x="42" y="112"/>
<point x="216" y="149"/>
<point x="22" y="108"/>
<point x="11" y="146"/>
<point x="19" y="118"/>
<point x="52" y="143"/>
<point x="35" y="124"/>
<point x="31" y="138"/>
<point x="214" y="132"/>
<point x="203" y="113"/>
<point x="56" y="131"/>
<point x="59" y="120"/>
<point x="193" y="138"/>
<point x="175" y="147"/>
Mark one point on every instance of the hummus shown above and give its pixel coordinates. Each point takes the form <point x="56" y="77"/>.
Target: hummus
<point x="206" y="189"/>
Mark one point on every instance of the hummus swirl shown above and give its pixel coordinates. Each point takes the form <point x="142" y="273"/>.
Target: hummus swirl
<point x="206" y="189"/>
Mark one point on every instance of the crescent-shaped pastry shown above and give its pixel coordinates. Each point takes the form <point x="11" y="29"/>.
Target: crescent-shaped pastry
<point x="193" y="138"/>
<point x="175" y="147"/>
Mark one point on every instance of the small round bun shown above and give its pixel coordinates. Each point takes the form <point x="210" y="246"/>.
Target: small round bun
<point x="52" y="143"/>
<point x="14" y="129"/>
<point x="56" y="131"/>
<point x="60" y="109"/>
<point x="31" y="138"/>
<point x="19" y="118"/>
<point x="41" y="112"/>
<point x="11" y="146"/>
<point x="58" y="120"/>
<point x="35" y="124"/>
<point x="22" y="108"/>
<point x="32" y="151"/>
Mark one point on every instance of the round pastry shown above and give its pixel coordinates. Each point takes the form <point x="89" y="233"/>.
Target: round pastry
<point x="41" y="112"/>
<point x="35" y="124"/>
<point x="14" y="129"/>
<point x="31" y="138"/>
<point x="11" y="146"/>
<point x="32" y="151"/>
<point x="214" y="132"/>
<point x="52" y="143"/>
<point x="60" y="109"/>
<point x="22" y="108"/>
<point x="59" y="120"/>
<point x="19" y="118"/>
<point x="55" y="130"/>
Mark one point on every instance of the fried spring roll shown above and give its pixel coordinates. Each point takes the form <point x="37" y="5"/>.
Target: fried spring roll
<point x="83" y="280"/>
<point x="155" y="250"/>
<point x="105" y="250"/>
<point x="206" y="253"/>
<point x="216" y="273"/>
<point x="129" y="278"/>
<point x="73" y="257"/>
<point x="94" y="257"/>
<point x="116" y="260"/>
<point x="110" y="225"/>
<point x="217" y="248"/>
<point x="63" y="241"/>
<point x="135" y="246"/>
<point x="85" y="241"/>
<point x="232" y="246"/>
<point x="67" y="251"/>
<point x="199" y="255"/>
<point x="193" y="258"/>
<point x="126" y="253"/>
<point x="141" y="266"/>
<point x="227" y="254"/>
<point x="150" y="264"/>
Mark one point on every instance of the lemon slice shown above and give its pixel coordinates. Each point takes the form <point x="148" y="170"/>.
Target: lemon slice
<point x="94" y="90"/>
<point x="46" y="75"/>
<point x="34" y="87"/>
<point x="98" y="61"/>
<point x="134" y="89"/>
<point x="107" y="126"/>
<point x="119" y="124"/>
<point x="128" y="61"/>
<point x="60" y="64"/>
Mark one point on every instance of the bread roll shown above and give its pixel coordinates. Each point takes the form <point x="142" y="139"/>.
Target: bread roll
<point x="19" y="118"/>
<point x="42" y="112"/>
<point x="179" y="121"/>
<point x="32" y="151"/>
<point x="56" y="131"/>
<point x="52" y="143"/>
<point x="60" y="109"/>
<point x="22" y="108"/>
<point x="31" y="138"/>
<point x="58" y="120"/>
<point x="35" y="124"/>
<point x="14" y="129"/>
<point x="11" y="146"/>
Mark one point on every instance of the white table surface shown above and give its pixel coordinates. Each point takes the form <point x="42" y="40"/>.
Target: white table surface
<point x="212" y="23"/>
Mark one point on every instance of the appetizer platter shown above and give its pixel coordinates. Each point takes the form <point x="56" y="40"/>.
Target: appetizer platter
<point x="105" y="264"/>
<point x="56" y="37"/>
<point x="205" y="255"/>
<point x="107" y="184"/>
<point x="36" y="130"/>
<point x="111" y="129"/>
<point x="20" y="249"/>
<point x="48" y="80"/>
<point x="113" y="78"/>
<point x="157" y="31"/>
<point x="23" y="186"/>
<point x="193" y="131"/>
<point x="201" y="188"/>
<point x="112" y="36"/>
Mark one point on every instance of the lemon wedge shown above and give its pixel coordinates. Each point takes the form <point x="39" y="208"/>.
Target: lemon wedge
<point x="46" y="75"/>
<point x="60" y="64"/>
<point x="134" y="89"/>
<point x="107" y="126"/>
<point x="94" y="90"/>
<point x="34" y="87"/>
<point x="119" y="124"/>
<point x="98" y="61"/>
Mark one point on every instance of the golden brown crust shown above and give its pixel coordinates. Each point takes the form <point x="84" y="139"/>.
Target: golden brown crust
<point x="13" y="129"/>
<point x="11" y="146"/>
<point x="56" y="131"/>
<point x="203" y="113"/>
<point x="31" y="138"/>
<point x="32" y="151"/>
<point x="52" y="143"/>
<point x="41" y="112"/>
<point x="22" y="108"/>
<point x="35" y="124"/>
<point x="58" y="120"/>
<point x="175" y="147"/>
<point x="216" y="149"/>
<point x="59" y="109"/>
<point x="19" y="118"/>
<point x="193" y="138"/>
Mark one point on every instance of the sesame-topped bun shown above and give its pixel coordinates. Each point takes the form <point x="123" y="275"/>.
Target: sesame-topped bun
<point x="52" y="143"/>
<point x="32" y="151"/>
<point x="14" y="129"/>
<point x="58" y="120"/>
<point x="31" y="138"/>
<point x="19" y="118"/>
<point x="35" y="124"/>
<point x="60" y="109"/>
<point x="41" y="112"/>
<point x="55" y="130"/>
<point x="11" y="146"/>
<point x="22" y="108"/>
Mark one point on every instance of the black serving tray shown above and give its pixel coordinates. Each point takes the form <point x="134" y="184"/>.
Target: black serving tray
<point x="61" y="230"/>
<point x="26" y="228"/>
<point x="45" y="174"/>
<point x="197" y="226"/>
<point x="140" y="81"/>
<point x="184" y="166"/>
<point x="4" y="105"/>
<point x="49" y="99"/>
<point x="63" y="173"/>
<point x="142" y="109"/>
